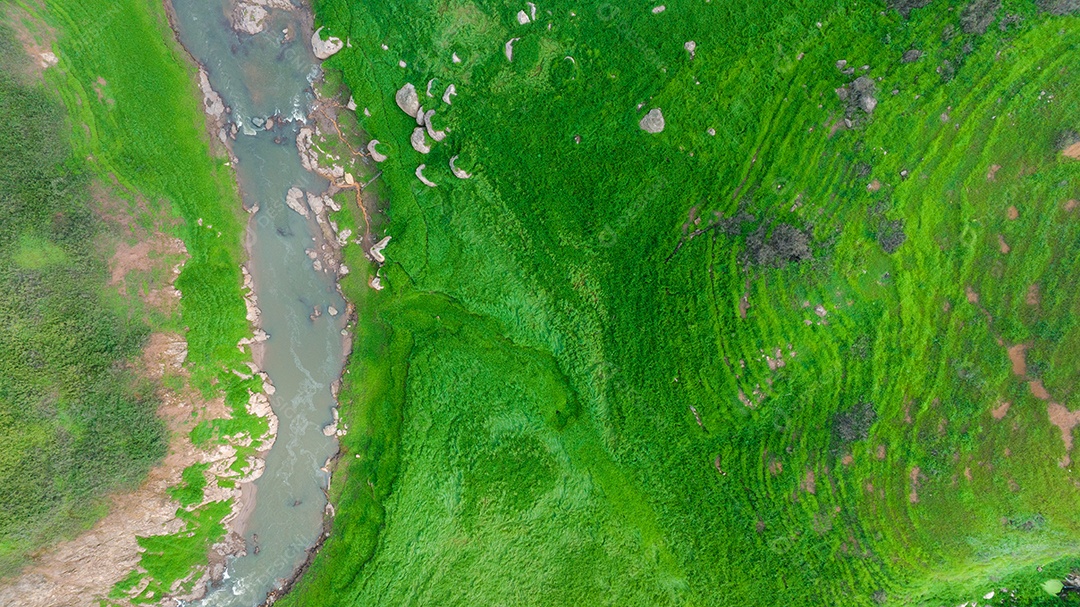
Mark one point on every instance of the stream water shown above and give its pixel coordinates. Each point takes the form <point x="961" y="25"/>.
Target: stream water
<point x="270" y="74"/>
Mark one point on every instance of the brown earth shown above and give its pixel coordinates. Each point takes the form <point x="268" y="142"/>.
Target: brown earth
<point x="1000" y="411"/>
<point x="1073" y="151"/>
<point x="36" y="38"/>
<point x="1065" y="420"/>
<point x="1012" y="213"/>
<point x="1017" y="358"/>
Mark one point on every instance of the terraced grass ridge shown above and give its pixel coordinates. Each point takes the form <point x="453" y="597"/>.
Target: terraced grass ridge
<point x="814" y="343"/>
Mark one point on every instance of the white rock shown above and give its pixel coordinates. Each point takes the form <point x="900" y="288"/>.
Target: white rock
<point x="295" y="199"/>
<point x="351" y="105"/>
<point x="436" y="135"/>
<point x="455" y="58"/>
<point x="989" y="595"/>
<point x="459" y="173"/>
<point x="419" y="140"/>
<point x="451" y="91"/>
<point x="332" y="310"/>
<point x="375" y="155"/>
<point x="249" y="18"/>
<point x="424" y="180"/>
<point x="532" y="10"/>
<point x="407" y="99"/>
<point x="653" y="122"/>
<point x="658" y="9"/>
<point x="429" y="83"/>
<point x="420" y="116"/>
<point x="690" y="47"/>
<point x="376" y="284"/>
<point x="522" y="17"/>
<point x="324" y="49"/>
<point x="377" y="248"/>
<point x="48" y="59"/>
<point x="509" y="48"/>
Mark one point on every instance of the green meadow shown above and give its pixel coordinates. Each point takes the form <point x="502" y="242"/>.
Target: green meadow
<point x="759" y="358"/>
<point x="119" y="114"/>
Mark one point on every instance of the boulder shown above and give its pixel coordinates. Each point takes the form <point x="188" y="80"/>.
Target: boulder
<point x="295" y="199"/>
<point x="653" y="122"/>
<point x="436" y="135"/>
<point x="420" y="176"/>
<point x="419" y="140"/>
<point x="451" y="91"/>
<point x="249" y="18"/>
<point x="459" y="173"/>
<point x="376" y="249"/>
<point x="324" y="49"/>
<point x="407" y="99"/>
<point x="375" y="155"/>
<point x="522" y="18"/>
<point x="509" y="48"/>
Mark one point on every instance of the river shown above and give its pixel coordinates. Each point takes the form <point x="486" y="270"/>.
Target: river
<point x="259" y="76"/>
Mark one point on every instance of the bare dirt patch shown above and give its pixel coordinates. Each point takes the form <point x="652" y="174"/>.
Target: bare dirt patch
<point x="1018" y="359"/>
<point x="1073" y="151"/>
<point x="881" y="451"/>
<point x="913" y="495"/>
<point x="809" y="482"/>
<point x="1002" y="245"/>
<point x="1038" y="390"/>
<point x="993" y="171"/>
<point x="1001" y="410"/>
<point x="971" y="295"/>
<point x="1033" y="296"/>
<point x="1012" y="213"/>
<point x="1071" y="204"/>
<point x="1065" y="420"/>
<point x="37" y="40"/>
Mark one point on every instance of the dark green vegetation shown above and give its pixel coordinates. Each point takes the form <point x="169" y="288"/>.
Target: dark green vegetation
<point x="133" y="120"/>
<point x="74" y="422"/>
<point x="755" y="368"/>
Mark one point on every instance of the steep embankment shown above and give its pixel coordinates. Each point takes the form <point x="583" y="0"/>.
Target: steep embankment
<point x="124" y="307"/>
<point x="759" y="357"/>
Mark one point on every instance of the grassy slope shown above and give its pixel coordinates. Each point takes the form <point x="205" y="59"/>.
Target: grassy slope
<point x="528" y="387"/>
<point x="74" y="424"/>
<point x="145" y="130"/>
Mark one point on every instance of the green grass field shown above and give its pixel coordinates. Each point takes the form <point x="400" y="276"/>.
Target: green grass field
<point x="121" y="110"/>
<point x="752" y="368"/>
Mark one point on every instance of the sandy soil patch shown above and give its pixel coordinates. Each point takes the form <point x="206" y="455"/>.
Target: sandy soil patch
<point x="1073" y="151"/>
<point x="1012" y="213"/>
<point x="1065" y="420"/>
<point x="1018" y="359"/>
<point x="847" y="459"/>
<point x="1038" y="390"/>
<point x="1001" y="410"/>
<point x="971" y="295"/>
<point x="809" y="482"/>
<point x="881" y="451"/>
<point x="993" y="171"/>
<point x="913" y="495"/>
<point x="1002" y="245"/>
<point x="1071" y="204"/>
<point x="1033" y="296"/>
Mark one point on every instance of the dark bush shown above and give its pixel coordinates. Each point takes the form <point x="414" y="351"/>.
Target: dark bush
<point x="854" y="424"/>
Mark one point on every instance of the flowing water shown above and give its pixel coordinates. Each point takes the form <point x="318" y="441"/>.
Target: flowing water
<point x="261" y="76"/>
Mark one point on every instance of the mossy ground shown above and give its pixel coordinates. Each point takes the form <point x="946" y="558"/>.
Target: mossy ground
<point x="563" y="398"/>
